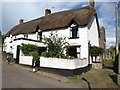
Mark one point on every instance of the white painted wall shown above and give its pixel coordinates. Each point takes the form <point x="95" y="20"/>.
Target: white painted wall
<point x="55" y="62"/>
<point x="93" y="35"/>
<point x="26" y="60"/>
<point x="33" y="36"/>
<point x="8" y="44"/>
<point x="19" y="36"/>
<point x="62" y="63"/>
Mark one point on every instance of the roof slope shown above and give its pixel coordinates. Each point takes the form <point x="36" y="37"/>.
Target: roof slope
<point x="81" y="16"/>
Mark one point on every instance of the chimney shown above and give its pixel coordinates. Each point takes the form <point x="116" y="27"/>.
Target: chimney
<point x="92" y="3"/>
<point x="47" y="12"/>
<point x="21" y="21"/>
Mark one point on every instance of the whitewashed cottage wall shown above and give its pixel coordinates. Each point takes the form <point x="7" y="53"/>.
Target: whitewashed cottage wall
<point x="93" y="34"/>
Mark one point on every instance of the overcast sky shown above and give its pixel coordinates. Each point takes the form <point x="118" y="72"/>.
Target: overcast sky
<point x="13" y="10"/>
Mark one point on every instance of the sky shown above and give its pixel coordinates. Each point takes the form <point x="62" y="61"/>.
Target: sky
<point x="13" y="10"/>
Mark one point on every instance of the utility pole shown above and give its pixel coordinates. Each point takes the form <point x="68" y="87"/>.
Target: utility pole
<point x="117" y="47"/>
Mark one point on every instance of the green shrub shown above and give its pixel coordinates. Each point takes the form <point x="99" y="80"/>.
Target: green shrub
<point x="55" y="45"/>
<point x="108" y="63"/>
<point x="26" y="48"/>
<point x="35" y="56"/>
<point x="44" y="54"/>
<point x="10" y="59"/>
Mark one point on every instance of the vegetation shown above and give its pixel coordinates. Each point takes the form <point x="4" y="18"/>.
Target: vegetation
<point x="108" y="63"/>
<point x="96" y="51"/>
<point x="10" y="59"/>
<point x="27" y="48"/>
<point x="35" y="56"/>
<point x="111" y="50"/>
<point x="103" y="76"/>
<point x="55" y="45"/>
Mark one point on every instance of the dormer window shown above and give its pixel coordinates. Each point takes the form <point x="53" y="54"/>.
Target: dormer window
<point x="39" y="37"/>
<point x="74" y="32"/>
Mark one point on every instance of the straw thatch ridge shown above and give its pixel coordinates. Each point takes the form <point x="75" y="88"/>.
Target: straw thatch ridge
<point x="81" y="16"/>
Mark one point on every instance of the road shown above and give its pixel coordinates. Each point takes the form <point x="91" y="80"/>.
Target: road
<point x="16" y="78"/>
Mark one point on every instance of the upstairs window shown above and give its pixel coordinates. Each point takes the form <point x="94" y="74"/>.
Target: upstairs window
<point x="74" y="32"/>
<point x="25" y="36"/>
<point x="39" y="37"/>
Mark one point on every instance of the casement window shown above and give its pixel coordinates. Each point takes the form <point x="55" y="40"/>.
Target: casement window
<point x="39" y="36"/>
<point x="74" y="32"/>
<point x="25" y="36"/>
<point x="73" y="51"/>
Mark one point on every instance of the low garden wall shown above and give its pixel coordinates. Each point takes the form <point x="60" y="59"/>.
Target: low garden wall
<point x="63" y="63"/>
<point x="65" y="67"/>
<point x="56" y="62"/>
<point x="26" y="60"/>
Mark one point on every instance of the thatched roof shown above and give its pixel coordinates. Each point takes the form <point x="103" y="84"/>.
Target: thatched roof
<point x="81" y="16"/>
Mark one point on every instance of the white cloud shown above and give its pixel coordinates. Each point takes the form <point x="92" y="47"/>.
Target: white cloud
<point x="56" y="0"/>
<point x="110" y="41"/>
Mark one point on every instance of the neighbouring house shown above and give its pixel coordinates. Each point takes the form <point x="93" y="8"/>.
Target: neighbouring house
<point x="80" y="26"/>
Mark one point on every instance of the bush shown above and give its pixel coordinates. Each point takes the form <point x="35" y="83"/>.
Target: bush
<point x="10" y="59"/>
<point x="55" y="45"/>
<point x="26" y="48"/>
<point x="44" y="54"/>
<point x="108" y="63"/>
<point x="35" y="56"/>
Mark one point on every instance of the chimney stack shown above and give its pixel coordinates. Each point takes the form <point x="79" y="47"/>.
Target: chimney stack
<point x="47" y="12"/>
<point x="21" y="21"/>
<point x="92" y="3"/>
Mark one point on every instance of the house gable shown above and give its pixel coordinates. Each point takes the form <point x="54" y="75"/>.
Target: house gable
<point x="93" y="28"/>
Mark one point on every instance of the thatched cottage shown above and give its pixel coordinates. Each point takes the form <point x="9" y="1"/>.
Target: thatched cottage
<point x="80" y="26"/>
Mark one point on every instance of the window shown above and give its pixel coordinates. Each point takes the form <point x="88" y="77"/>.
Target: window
<point x="73" y="51"/>
<point x="39" y="37"/>
<point x="25" y="36"/>
<point x="74" y="32"/>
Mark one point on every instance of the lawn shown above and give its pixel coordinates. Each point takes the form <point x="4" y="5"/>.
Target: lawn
<point x="96" y="78"/>
<point x="108" y="63"/>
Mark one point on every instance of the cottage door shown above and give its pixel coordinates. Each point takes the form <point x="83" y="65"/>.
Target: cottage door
<point x="17" y="54"/>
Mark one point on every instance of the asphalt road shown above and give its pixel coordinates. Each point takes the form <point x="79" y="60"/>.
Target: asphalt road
<point x="16" y="78"/>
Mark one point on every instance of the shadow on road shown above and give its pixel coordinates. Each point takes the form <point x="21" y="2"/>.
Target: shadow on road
<point x="87" y="83"/>
<point x="114" y="78"/>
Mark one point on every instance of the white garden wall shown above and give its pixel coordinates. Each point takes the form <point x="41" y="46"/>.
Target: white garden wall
<point x="55" y="62"/>
<point x="62" y="63"/>
<point x="26" y="60"/>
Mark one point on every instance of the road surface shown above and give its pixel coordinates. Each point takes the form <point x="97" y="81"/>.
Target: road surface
<point x="16" y="78"/>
